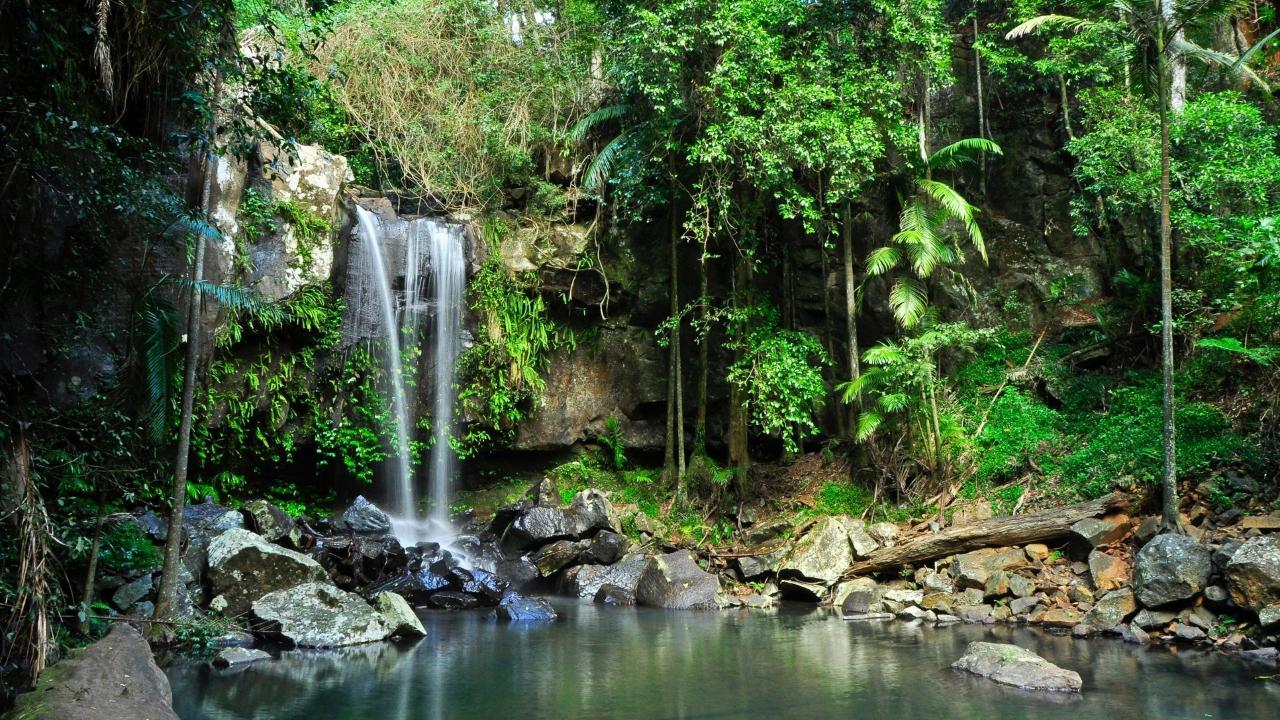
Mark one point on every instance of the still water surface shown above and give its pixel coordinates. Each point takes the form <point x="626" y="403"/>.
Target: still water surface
<point x="643" y="664"/>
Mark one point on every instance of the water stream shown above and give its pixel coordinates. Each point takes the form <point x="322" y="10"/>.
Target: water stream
<point x="429" y="280"/>
<point x="796" y="663"/>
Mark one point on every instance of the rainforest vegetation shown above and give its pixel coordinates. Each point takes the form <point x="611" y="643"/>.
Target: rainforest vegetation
<point x="892" y="256"/>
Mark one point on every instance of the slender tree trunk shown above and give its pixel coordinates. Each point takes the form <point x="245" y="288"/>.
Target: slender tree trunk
<point x="788" y="288"/>
<point x="1169" y="479"/>
<point x="91" y="575"/>
<point x="850" y="303"/>
<point x="982" y="114"/>
<point x="739" y="453"/>
<point x="704" y="356"/>
<point x="675" y="392"/>
<point x="1065" y="101"/>
<point x="167" y="595"/>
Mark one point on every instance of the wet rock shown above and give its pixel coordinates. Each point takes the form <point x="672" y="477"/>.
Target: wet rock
<point x="606" y="548"/>
<point x="867" y="617"/>
<point x="591" y="511"/>
<point x="269" y="521"/>
<point x="453" y="600"/>
<point x="1112" y="609"/>
<point x="487" y="587"/>
<point x="972" y="569"/>
<point x="129" y="593"/>
<point x="674" y="581"/>
<point x="397" y="615"/>
<point x="519" y="573"/>
<point x="415" y="586"/>
<point x="585" y="580"/>
<point x="153" y="526"/>
<point x="544" y="492"/>
<point x="115" y="678"/>
<point x="243" y="567"/>
<point x="1268" y="656"/>
<point x="613" y="595"/>
<point x="756" y="601"/>
<point x="1082" y="631"/>
<point x="1101" y="531"/>
<point x="235" y="656"/>
<point x="522" y="609"/>
<point x="317" y="614"/>
<point x="804" y="591"/>
<point x="201" y="523"/>
<point x="1107" y="571"/>
<point x="550" y="559"/>
<point x="1148" y="619"/>
<point x="536" y="526"/>
<point x="1133" y="634"/>
<point x="365" y="517"/>
<point x="1188" y="633"/>
<point x="974" y="613"/>
<point x="1018" y="667"/>
<point x="1170" y="568"/>
<point x="1061" y="618"/>
<point x="1253" y="573"/>
<point x="856" y="596"/>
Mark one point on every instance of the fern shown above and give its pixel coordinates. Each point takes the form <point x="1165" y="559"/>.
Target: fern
<point x="1262" y="355"/>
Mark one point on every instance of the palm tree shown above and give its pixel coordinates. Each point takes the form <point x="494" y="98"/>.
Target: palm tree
<point x="1154" y="32"/>
<point x="924" y="240"/>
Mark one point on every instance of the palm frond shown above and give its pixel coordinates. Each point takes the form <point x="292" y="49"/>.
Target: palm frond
<point x="235" y="298"/>
<point x="884" y="353"/>
<point x="868" y="422"/>
<point x="893" y="402"/>
<point x="1035" y="24"/>
<point x="957" y="208"/>
<point x="602" y="164"/>
<point x="598" y="117"/>
<point x="962" y="151"/>
<point x="882" y="260"/>
<point x="1255" y="49"/>
<point x="1223" y="60"/>
<point x="158" y="337"/>
<point x="186" y="225"/>
<point x="851" y="389"/>
<point x="908" y="301"/>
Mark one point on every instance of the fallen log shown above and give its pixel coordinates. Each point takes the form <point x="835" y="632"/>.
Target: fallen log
<point x="996" y="532"/>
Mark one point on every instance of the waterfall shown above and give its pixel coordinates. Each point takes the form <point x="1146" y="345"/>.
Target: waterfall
<point x="374" y="270"/>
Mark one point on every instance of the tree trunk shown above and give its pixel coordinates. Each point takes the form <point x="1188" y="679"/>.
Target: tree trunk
<point x="675" y="389"/>
<point x="166" y="596"/>
<point x="739" y="453"/>
<point x="850" y="304"/>
<point x="704" y="356"/>
<point x="996" y="532"/>
<point x="1169" y="479"/>
<point x="91" y="575"/>
<point x="1065" y="101"/>
<point x="982" y="114"/>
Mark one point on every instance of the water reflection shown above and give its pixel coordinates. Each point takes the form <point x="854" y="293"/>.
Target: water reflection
<point x="640" y="663"/>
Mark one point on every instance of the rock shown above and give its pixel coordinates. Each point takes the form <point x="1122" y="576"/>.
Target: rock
<point x="365" y="517"/>
<point x="1253" y="573"/>
<point x="1268" y="656"/>
<point x="154" y="526"/>
<point x="856" y="596"/>
<point x="1216" y="594"/>
<point x="997" y="585"/>
<point x="974" y="613"/>
<point x="613" y="595"/>
<point x="1133" y="634"/>
<point x="317" y="614"/>
<point x="754" y="566"/>
<point x="269" y="521"/>
<point x="398" y="616"/>
<point x="591" y="511"/>
<point x="1038" y="552"/>
<point x="1108" y="572"/>
<point x="1061" y="617"/>
<point x="544" y="492"/>
<point x="1147" y="528"/>
<point x="243" y="567"/>
<point x="1023" y="605"/>
<point x="129" y="593"/>
<point x="536" y="526"/>
<point x="453" y="600"/>
<point x="488" y="588"/>
<point x="972" y="596"/>
<point x="822" y="554"/>
<point x="973" y="512"/>
<point x="1261" y="522"/>
<point x="549" y="559"/>
<point x="886" y="533"/>
<point x="1269" y="616"/>
<point x="674" y="581"/>
<point x="522" y="609"/>
<point x="1112" y="609"/>
<point x="115" y="678"/>
<point x="518" y="573"/>
<point x="605" y="548"/>
<point x="937" y="582"/>
<point x="972" y="569"/>
<point x="865" y="617"/>
<point x="860" y="540"/>
<point x="1148" y="619"/>
<point x="1080" y="594"/>
<point x="1018" y="667"/>
<point x="912" y="613"/>
<point x="756" y="601"/>
<point x="1021" y="586"/>
<point x="584" y="581"/>
<point x="906" y="597"/>
<point x="1170" y="568"/>
<point x="233" y="656"/>
<point x="1188" y="633"/>
<point x="941" y="602"/>
<point x="201" y="523"/>
<point x="1082" y="631"/>
<point x="143" y="609"/>
<point x="1101" y="531"/>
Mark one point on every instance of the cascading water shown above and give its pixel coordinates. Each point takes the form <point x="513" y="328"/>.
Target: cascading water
<point x="398" y="322"/>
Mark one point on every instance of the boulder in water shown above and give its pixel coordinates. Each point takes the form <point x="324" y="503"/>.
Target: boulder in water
<point x="115" y="678"/>
<point x="317" y="614"/>
<point x="536" y="526"/>
<point x="1253" y="573"/>
<point x="453" y="600"/>
<point x="365" y="517"/>
<point x="584" y="581"/>
<point x="398" y="616"/>
<point x="1170" y="568"/>
<point x="822" y="554"/>
<point x="674" y="581"/>
<point x="1019" y="667"/>
<point x="523" y="609"/>
<point x="234" y="656"/>
<point x="549" y="559"/>
<point x="243" y="567"/>
<point x="613" y="595"/>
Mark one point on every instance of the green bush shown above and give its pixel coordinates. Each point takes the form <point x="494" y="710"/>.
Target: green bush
<point x="127" y="549"/>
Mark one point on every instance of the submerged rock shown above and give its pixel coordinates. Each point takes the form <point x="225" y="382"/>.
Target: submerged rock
<point x="233" y="656"/>
<point x="1018" y="667"/>
<point x="244" y="567"/>
<point x="674" y="581"/>
<point x="1170" y="568"/>
<point x="523" y="609"/>
<point x="613" y="595"/>
<point x="365" y="517"/>
<point x="398" y="616"/>
<point x="317" y="614"/>
<point x="1253" y="573"/>
<point x="115" y="678"/>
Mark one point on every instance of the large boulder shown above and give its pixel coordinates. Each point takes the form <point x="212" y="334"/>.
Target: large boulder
<point x="1016" y="666"/>
<point x="674" y="581"/>
<point x="1101" y="531"/>
<point x="115" y="678"/>
<point x="537" y="526"/>
<point x="201" y="523"/>
<point x="317" y="614"/>
<point x="1112" y="609"/>
<point x="584" y="581"/>
<point x="269" y="521"/>
<point x="826" y="550"/>
<point x="591" y="511"/>
<point x="1170" y="568"/>
<point x="397" y="615"/>
<point x="974" y="569"/>
<point x="365" y="517"/>
<point x="519" y="608"/>
<point x="606" y="547"/>
<point x="549" y="559"/>
<point x="243" y="567"/>
<point x="1253" y="573"/>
